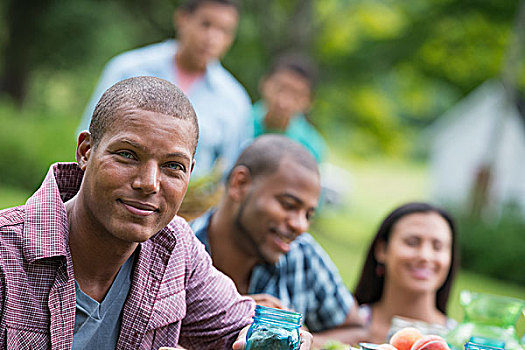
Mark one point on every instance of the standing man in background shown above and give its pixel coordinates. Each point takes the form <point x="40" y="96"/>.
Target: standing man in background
<point x="205" y="32"/>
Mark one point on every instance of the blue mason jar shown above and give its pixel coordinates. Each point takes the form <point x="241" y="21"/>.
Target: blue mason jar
<point x="274" y="329"/>
<point x="480" y="343"/>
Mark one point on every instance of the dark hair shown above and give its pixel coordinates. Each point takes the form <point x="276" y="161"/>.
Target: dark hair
<point x="192" y="5"/>
<point x="263" y="156"/>
<point x="145" y="93"/>
<point x="370" y="286"/>
<point x="296" y="63"/>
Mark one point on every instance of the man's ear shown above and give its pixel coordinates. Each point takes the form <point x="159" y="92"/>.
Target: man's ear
<point x="380" y="252"/>
<point x="84" y="148"/>
<point x="239" y="182"/>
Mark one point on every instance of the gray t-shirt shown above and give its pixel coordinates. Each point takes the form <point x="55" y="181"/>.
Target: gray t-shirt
<point x="97" y="325"/>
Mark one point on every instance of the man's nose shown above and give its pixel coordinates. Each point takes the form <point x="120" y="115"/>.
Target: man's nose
<point x="298" y="222"/>
<point x="148" y="178"/>
<point x="214" y="36"/>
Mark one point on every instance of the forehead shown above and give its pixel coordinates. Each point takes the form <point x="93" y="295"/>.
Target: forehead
<point x="217" y="9"/>
<point x="293" y="178"/>
<point x="167" y="130"/>
<point x="291" y="78"/>
<point x="429" y="224"/>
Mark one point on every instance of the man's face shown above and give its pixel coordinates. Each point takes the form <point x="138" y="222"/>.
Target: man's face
<point x="286" y="93"/>
<point x="276" y="209"/>
<point x="206" y="33"/>
<point x="137" y="175"/>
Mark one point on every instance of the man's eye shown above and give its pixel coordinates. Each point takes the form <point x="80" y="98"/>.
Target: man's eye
<point x="412" y="242"/>
<point x="126" y="154"/>
<point x="174" y="166"/>
<point x="288" y="205"/>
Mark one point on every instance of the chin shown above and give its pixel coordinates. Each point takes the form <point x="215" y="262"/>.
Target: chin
<point x="135" y="235"/>
<point x="422" y="288"/>
<point x="271" y="258"/>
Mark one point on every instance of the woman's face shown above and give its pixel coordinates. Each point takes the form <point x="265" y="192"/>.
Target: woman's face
<point x="418" y="256"/>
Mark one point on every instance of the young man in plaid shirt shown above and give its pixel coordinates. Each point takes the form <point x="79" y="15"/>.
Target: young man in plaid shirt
<point x="98" y="259"/>
<point x="257" y="236"/>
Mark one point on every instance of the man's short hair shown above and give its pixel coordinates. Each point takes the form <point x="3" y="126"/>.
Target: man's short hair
<point x="192" y="5"/>
<point x="144" y="93"/>
<point x="297" y="63"/>
<point x="264" y="155"/>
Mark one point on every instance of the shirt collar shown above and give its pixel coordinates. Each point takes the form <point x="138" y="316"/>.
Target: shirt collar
<point x="46" y="226"/>
<point x="213" y="69"/>
<point x="201" y="226"/>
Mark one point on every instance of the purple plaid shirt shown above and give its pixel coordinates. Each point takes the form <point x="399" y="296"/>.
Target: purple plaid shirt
<point x="176" y="296"/>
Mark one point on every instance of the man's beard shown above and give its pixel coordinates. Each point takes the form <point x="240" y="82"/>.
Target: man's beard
<point x="246" y="236"/>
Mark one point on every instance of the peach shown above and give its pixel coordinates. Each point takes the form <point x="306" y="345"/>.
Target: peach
<point x="404" y="338"/>
<point x="386" y="347"/>
<point x="430" y="342"/>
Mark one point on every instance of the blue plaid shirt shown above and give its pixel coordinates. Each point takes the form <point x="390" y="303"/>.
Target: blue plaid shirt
<point x="305" y="279"/>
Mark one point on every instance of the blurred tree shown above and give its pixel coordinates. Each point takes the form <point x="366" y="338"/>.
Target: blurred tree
<point x="393" y="67"/>
<point x="23" y="21"/>
<point x="283" y="24"/>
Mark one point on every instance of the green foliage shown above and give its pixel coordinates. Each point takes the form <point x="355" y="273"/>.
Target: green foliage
<point x="29" y="142"/>
<point x="494" y="247"/>
<point x="391" y="68"/>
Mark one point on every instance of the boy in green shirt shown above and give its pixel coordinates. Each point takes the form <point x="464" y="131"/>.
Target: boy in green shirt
<point x="286" y="92"/>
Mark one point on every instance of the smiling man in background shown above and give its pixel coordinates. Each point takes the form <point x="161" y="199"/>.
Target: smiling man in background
<point x="257" y="236"/>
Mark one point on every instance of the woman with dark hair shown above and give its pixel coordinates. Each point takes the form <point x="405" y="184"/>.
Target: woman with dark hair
<point x="409" y="269"/>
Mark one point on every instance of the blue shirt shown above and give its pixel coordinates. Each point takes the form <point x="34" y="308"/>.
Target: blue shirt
<point x="305" y="279"/>
<point x="299" y="130"/>
<point x="221" y="103"/>
<point x="97" y="325"/>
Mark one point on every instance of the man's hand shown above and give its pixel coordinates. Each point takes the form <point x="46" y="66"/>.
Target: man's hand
<point x="267" y="300"/>
<point x="306" y="339"/>
<point x="240" y="343"/>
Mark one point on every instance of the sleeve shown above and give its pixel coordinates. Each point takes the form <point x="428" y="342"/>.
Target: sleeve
<point x="332" y="299"/>
<point x="215" y="312"/>
<point x="241" y="133"/>
<point x="2" y="313"/>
